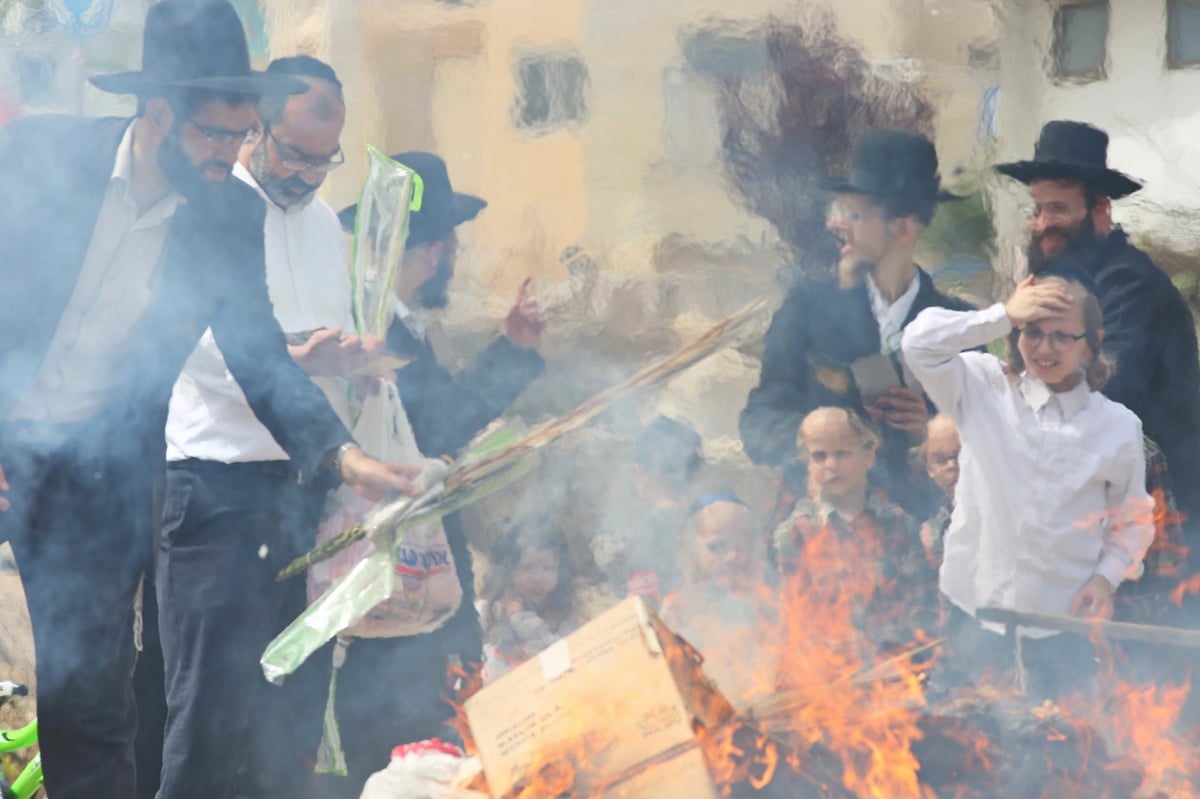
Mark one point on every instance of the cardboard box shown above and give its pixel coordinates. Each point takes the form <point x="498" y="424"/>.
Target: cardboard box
<point x="609" y="695"/>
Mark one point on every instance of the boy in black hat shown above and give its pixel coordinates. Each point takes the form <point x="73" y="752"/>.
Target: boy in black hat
<point x="124" y="242"/>
<point x="1149" y="330"/>
<point x="824" y="330"/>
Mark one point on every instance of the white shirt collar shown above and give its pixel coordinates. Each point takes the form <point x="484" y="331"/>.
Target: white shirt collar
<point x="1037" y="394"/>
<point x="417" y="321"/>
<point x="891" y="316"/>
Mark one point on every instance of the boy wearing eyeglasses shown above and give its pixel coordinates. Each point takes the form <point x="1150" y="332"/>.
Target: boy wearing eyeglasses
<point x="939" y="458"/>
<point x="1051" y="511"/>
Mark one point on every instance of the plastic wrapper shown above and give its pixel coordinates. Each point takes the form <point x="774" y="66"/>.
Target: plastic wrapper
<point x="390" y="192"/>
<point x="425" y="770"/>
<point x="371" y="580"/>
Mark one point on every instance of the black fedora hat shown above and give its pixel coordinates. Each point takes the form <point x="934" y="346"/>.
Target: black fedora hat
<point x="1073" y="150"/>
<point x="892" y="164"/>
<point x="442" y="208"/>
<point x="196" y="45"/>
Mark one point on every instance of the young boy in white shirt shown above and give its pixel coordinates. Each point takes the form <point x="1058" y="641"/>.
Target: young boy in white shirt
<point x="1051" y="511"/>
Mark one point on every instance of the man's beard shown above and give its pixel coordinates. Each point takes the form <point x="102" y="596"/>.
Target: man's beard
<point x="1080" y="237"/>
<point x="432" y="293"/>
<point x="284" y="192"/>
<point x="183" y="176"/>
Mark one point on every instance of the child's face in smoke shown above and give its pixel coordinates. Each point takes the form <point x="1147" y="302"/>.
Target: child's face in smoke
<point x="838" y="460"/>
<point x="535" y="577"/>
<point x="941" y="454"/>
<point x="721" y="544"/>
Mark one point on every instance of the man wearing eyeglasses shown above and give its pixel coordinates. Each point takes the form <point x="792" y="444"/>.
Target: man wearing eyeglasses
<point x="236" y="510"/>
<point x="823" y="333"/>
<point x="124" y="241"/>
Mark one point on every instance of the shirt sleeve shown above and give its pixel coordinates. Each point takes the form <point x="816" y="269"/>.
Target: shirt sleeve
<point x="933" y="347"/>
<point x="1131" y="517"/>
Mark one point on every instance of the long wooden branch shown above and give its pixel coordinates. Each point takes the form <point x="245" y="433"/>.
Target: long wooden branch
<point x="1117" y="630"/>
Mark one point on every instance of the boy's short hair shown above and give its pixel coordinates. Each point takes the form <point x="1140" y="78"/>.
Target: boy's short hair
<point x="866" y="432"/>
<point x="670" y="451"/>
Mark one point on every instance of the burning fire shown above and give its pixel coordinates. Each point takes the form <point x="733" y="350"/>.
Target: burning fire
<point x="847" y="711"/>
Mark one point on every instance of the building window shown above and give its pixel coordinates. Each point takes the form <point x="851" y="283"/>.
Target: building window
<point x="1080" y="40"/>
<point x="550" y="91"/>
<point x="1183" y="33"/>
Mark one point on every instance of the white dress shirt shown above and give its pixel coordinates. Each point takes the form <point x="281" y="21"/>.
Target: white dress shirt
<point x="890" y="317"/>
<point x="1052" y="485"/>
<point x="114" y="289"/>
<point x="417" y="321"/>
<point x="308" y="279"/>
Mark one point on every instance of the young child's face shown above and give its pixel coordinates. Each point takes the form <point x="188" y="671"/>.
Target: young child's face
<point x="535" y="577"/>
<point x="838" y="461"/>
<point x="1058" y="366"/>
<point x="722" y="546"/>
<point x="941" y="454"/>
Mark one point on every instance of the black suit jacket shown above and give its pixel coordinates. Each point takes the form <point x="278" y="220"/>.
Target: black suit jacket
<point x="825" y="322"/>
<point x="1150" y="333"/>
<point x="54" y="172"/>
<point x="445" y="410"/>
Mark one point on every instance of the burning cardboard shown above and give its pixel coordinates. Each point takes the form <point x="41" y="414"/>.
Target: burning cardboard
<point x="612" y="710"/>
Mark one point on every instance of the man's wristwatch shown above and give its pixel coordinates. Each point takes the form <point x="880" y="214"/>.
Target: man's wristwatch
<point x="332" y="462"/>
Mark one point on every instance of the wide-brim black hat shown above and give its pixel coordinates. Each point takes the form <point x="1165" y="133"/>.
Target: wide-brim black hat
<point x="196" y="45"/>
<point x="892" y="164"/>
<point x="1073" y="150"/>
<point x="442" y="208"/>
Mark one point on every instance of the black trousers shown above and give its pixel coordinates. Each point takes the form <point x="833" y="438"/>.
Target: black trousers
<point x="392" y="691"/>
<point x="1053" y="667"/>
<point x="81" y="529"/>
<point x="227" y="530"/>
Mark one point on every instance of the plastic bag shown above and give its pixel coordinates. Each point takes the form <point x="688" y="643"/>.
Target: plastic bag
<point x="424" y="770"/>
<point x="425" y="591"/>
<point x="390" y="192"/>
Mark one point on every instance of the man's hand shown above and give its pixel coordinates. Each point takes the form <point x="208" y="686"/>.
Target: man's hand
<point x="524" y="323"/>
<point x="375" y="479"/>
<point x="901" y="408"/>
<point x="4" y="503"/>
<point x="1032" y="303"/>
<point x="327" y="353"/>
<point x="1094" y="600"/>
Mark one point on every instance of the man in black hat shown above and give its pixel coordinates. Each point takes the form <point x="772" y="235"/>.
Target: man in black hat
<point x="1148" y="327"/>
<point x="446" y="411"/>
<point x="124" y="242"/>
<point x="824" y="332"/>
<point x="391" y="690"/>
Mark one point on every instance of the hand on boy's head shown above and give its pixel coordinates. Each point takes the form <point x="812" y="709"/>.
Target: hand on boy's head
<point x="1094" y="600"/>
<point x="1032" y="302"/>
<point x="901" y="408"/>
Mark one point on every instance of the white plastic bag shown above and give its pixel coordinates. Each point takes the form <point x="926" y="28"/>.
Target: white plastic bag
<point x="424" y="770"/>
<point x="425" y="591"/>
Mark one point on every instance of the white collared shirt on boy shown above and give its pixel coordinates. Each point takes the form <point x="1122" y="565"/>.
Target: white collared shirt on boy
<point x="1052" y="485"/>
<point x="309" y="284"/>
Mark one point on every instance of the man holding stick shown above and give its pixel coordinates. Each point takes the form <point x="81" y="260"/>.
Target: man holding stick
<point x="125" y="241"/>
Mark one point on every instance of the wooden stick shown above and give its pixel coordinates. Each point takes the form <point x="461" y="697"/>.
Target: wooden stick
<point x="1121" y="630"/>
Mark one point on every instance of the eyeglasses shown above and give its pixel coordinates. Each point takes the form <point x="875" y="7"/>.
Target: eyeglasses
<point x="221" y="137"/>
<point x="841" y="212"/>
<point x="293" y="159"/>
<point x="1059" y="340"/>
